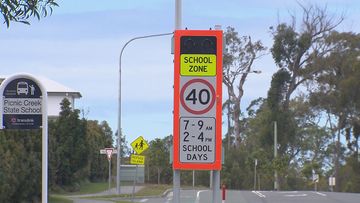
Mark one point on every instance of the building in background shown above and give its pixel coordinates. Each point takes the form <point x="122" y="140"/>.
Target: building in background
<point x="56" y="93"/>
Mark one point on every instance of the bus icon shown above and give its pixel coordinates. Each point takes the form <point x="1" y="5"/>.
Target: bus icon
<point x="22" y="88"/>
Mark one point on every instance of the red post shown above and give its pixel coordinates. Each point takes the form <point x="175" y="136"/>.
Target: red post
<point x="223" y="192"/>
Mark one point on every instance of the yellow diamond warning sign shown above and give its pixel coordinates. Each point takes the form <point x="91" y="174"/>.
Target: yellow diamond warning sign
<point x="139" y="145"/>
<point x="198" y="64"/>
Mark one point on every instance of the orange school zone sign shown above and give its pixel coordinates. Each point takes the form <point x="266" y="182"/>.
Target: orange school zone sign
<point x="197" y="99"/>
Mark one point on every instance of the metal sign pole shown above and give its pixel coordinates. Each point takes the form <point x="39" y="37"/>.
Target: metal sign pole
<point x="211" y="179"/>
<point x="193" y="179"/>
<point x="216" y="186"/>
<point x="109" y="175"/>
<point x="176" y="173"/>
<point x="176" y="189"/>
<point x="44" y="156"/>
<point x="134" y="184"/>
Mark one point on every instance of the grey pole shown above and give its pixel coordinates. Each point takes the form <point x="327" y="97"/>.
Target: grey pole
<point x="109" y="175"/>
<point x="193" y="180"/>
<point x="119" y="108"/>
<point x="44" y="150"/>
<point x="178" y="13"/>
<point x="176" y="173"/>
<point x="134" y="184"/>
<point x="216" y="187"/>
<point x="275" y="155"/>
<point x="255" y="174"/>
<point x="211" y="179"/>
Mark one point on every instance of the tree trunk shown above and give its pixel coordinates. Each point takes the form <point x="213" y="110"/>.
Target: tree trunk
<point x="236" y="118"/>
<point x="228" y="122"/>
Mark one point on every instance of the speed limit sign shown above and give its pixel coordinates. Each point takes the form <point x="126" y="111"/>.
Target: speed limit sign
<point x="197" y="99"/>
<point x="197" y="96"/>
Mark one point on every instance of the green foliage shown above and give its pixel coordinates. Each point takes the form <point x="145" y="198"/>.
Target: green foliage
<point x="276" y="93"/>
<point x="74" y="146"/>
<point x="99" y="136"/>
<point x="22" y="10"/>
<point x="296" y="49"/>
<point x="350" y="179"/>
<point x="158" y="160"/>
<point x="285" y="44"/>
<point x="71" y="147"/>
<point x="20" y="165"/>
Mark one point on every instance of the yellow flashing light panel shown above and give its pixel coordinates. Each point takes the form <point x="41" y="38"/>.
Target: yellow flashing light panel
<point x="198" y="64"/>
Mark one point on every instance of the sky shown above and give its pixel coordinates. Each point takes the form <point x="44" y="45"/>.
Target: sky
<point x="79" y="47"/>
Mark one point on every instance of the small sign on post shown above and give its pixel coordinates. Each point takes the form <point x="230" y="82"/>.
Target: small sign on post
<point x="139" y="145"/>
<point x="137" y="159"/>
<point x="109" y="153"/>
<point x="103" y="151"/>
<point x="331" y="181"/>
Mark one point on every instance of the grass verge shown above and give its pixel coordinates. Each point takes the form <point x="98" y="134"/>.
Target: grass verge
<point x="148" y="190"/>
<point x="153" y="190"/>
<point x="59" y="199"/>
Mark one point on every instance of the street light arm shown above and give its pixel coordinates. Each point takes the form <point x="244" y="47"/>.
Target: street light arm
<point x="136" y="38"/>
<point x="119" y="107"/>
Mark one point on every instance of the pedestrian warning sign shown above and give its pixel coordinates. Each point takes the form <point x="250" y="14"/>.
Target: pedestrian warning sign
<point x="139" y="145"/>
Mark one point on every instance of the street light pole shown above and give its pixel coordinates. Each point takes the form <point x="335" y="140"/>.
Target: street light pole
<point x="176" y="173"/>
<point x="119" y="107"/>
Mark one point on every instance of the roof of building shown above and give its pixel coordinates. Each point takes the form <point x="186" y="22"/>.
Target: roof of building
<point x="53" y="87"/>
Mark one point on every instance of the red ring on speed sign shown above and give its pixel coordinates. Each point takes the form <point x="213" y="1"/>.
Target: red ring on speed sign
<point x="211" y="103"/>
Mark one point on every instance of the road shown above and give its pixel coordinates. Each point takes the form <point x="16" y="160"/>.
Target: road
<point x="234" y="196"/>
<point x="284" y="197"/>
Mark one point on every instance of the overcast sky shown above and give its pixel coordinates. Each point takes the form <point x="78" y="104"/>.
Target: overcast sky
<point x="79" y="46"/>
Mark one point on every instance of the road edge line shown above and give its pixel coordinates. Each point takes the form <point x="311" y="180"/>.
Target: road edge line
<point x="198" y="195"/>
<point x="321" y="194"/>
<point x="258" y="193"/>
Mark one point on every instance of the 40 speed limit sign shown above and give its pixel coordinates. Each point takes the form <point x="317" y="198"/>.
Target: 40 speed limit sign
<point x="197" y="99"/>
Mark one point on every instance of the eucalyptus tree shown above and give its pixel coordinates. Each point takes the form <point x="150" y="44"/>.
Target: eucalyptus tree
<point x="239" y="56"/>
<point x="295" y="48"/>
<point x="22" y="10"/>
<point x="336" y="91"/>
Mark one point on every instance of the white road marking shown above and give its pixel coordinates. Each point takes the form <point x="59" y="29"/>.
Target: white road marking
<point x="258" y="193"/>
<point x="290" y="192"/>
<point x="144" y="200"/>
<point x="169" y="197"/>
<point x="319" y="193"/>
<point x="299" y="195"/>
<point x="168" y="200"/>
<point x="198" y="195"/>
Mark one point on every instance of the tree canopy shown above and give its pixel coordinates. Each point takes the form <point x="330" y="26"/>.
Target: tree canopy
<point x="22" y="10"/>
